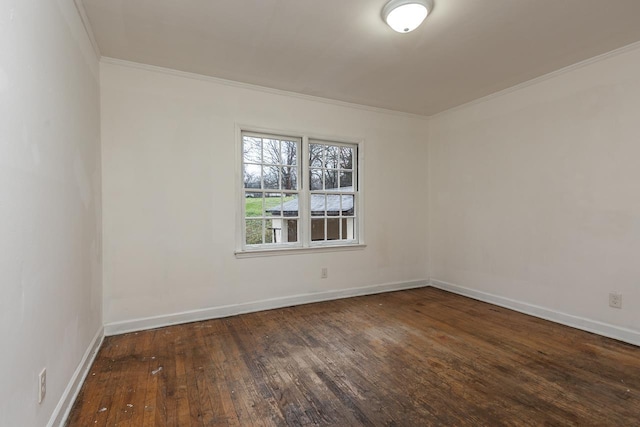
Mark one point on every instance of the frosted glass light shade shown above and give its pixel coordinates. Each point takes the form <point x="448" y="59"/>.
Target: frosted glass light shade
<point x="406" y="15"/>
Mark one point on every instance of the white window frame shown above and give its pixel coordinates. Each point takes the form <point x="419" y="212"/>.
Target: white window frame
<point x="310" y="192"/>
<point x="304" y="243"/>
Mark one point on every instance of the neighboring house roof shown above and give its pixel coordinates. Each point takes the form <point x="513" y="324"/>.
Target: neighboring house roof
<point x="319" y="204"/>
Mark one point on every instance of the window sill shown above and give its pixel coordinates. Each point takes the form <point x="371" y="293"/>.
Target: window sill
<point x="298" y="251"/>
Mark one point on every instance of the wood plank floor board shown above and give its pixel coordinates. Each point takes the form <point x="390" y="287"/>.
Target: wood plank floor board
<point x="200" y="381"/>
<point x="280" y="372"/>
<point x="101" y="395"/>
<point x="525" y="355"/>
<point x="408" y="358"/>
<point x="218" y="377"/>
<point x="366" y="380"/>
<point x="150" y="384"/>
<point x="134" y="398"/>
<point x="290" y="350"/>
<point x="267" y="389"/>
<point x="121" y="356"/>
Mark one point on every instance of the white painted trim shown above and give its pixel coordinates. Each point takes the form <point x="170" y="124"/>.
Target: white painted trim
<point x="249" y="86"/>
<point x="304" y="245"/>
<point x="360" y="181"/>
<point x="87" y="27"/>
<point x="298" y="250"/>
<point x="61" y="413"/>
<point x="602" y="57"/>
<point x="295" y="133"/>
<point x="304" y="201"/>
<point x="117" y="328"/>
<point x="429" y="188"/>
<point x="616" y="332"/>
<point x="226" y="82"/>
<point x="239" y="157"/>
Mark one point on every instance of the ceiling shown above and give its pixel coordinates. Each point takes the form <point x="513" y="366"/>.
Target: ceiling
<point x="342" y="50"/>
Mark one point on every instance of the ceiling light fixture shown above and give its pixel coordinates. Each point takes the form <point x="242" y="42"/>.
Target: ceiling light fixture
<point x="406" y="15"/>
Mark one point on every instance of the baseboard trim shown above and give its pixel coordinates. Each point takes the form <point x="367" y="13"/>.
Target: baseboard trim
<point x="60" y="414"/>
<point x="123" y="327"/>
<point x="611" y="331"/>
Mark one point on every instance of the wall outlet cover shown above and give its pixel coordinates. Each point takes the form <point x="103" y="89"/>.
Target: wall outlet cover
<point x="615" y="300"/>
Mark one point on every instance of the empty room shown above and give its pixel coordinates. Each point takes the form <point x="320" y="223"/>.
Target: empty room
<point x="299" y="212"/>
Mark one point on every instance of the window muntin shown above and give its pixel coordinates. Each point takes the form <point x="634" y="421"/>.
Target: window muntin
<point x="278" y="211"/>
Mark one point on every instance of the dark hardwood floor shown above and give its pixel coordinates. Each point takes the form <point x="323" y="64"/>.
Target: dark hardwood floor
<point x="410" y="358"/>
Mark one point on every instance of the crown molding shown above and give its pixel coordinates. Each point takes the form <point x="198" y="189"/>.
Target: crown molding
<point x="258" y="88"/>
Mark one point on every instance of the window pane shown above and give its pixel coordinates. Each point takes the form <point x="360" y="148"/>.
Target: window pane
<point x="330" y="179"/>
<point x="292" y="230"/>
<point x="271" y="153"/>
<point x="347" y="228"/>
<point x="269" y="234"/>
<point x="333" y="204"/>
<point x="333" y="228"/>
<point x="289" y="178"/>
<point x="252" y="149"/>
<point x="316" y="154"/>
<point x="346" y="158"/>
<point x="318" y="204"/>
<point x="252" y="176"/>
<point x="347" y="205"/>
<point x="346" y="179"/>
<point x="272" y="177"/>
<point x="253" y="231"/>
<point x="253" y="204"/>
<point x="317" y="229"/>
<point x="332" y="157"/>
<point x="315" y="179"/>
<point x="290" y="207"/>
<point x="289" y="153"/>
<point x="273" y="204"/>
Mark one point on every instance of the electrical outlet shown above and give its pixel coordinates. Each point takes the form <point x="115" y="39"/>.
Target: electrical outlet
<point x="42" y="385"/>
<point x="325" y="273"/>
<point x="615" y="300"/>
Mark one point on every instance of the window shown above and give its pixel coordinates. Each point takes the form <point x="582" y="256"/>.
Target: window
<point x="331" y="172"/>
<point x="271" y="178"/>
<point x="298" y="192"/>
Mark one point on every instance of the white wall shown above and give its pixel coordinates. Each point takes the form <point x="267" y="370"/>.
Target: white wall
<point x="534" y="197"/>
<point x="169" y="165"/>
<point x="50" y="219"/>
<point x="536" y="192"/>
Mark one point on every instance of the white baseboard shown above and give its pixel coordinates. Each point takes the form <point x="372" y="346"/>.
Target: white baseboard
<point x="117" y="328"/>
<point x="622" y="334"/>
<point x="60" y="414"/>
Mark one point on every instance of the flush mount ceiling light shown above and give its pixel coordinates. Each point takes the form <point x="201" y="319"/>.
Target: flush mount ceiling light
<point x="406" y="15"/>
